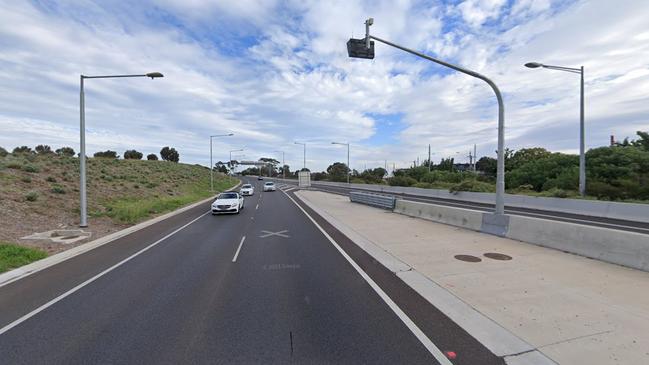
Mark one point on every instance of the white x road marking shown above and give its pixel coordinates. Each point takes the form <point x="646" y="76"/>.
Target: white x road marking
<point x="278" y="234"/>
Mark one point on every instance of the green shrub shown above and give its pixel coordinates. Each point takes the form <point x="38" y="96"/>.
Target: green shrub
<point x="65" y="151"/>
<point x="26" y="179"/>
<point x="401" y="181"/>
<point x="15" y="165"/>
<point x="474" y="186"/>
<point x="50" y="179"/>
<point x="57" y="189"/>
<point x="31" y="196"/>
<point x="43" y="149"/>
<point x="3" y="152"/>
<point x="423" y="185"/>
<point x="31" y="168"/>
<point x="22" y="149"/>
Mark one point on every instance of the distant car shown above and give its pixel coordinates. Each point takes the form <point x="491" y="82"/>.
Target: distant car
<point x="247" y="190"/>
<point x="228" y="202"/>
<point x="269" y="186"/>
<point x="260" y="177"/>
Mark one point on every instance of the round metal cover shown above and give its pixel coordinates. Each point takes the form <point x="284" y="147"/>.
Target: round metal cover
<point x="497" y="256"/>
<point x="468" y="258"/>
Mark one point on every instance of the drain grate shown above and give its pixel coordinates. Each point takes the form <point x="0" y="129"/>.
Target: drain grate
<point x="497" y="256"/>
<point x="468" y="258"/>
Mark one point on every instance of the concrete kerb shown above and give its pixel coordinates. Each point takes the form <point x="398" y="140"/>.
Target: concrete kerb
<point x="24" y="271"/>
<point x="497" y="339"/>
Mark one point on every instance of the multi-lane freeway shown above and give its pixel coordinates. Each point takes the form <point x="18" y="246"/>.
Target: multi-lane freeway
<point x="273" y="284"/>
<point x="610" y="223"/>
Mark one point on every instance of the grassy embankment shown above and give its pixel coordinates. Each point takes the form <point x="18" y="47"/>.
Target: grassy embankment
<point x="40" y="192"/>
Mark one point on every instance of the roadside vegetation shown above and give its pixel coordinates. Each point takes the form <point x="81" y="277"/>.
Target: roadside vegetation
<point x="39" y="189"/>
<point x="619" y="173"/>
<point x="13" y="256"/>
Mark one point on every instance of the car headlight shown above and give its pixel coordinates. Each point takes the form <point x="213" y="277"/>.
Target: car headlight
<point x="234" y="205"/>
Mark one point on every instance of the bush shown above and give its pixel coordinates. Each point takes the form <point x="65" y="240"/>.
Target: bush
<point x="32" y="196"/>
<point x="22" y="149"/>
<point x="401" y="181"/>
<point x="443" y="176"/>
<point x="132" y="155"/>
<point x="43" y="149"/>
<point x="472" y="185"/>
<point x="106" y="154"/>
<point x="26" y="179"/>
<point x="65" y="151"/>
<point x="423" y="185"/>
<point x="31" y="168"/>
<point x="50" y="179"/>
<point x="152" y="157"/>
<point x="3" y="152"/>
<point x="566" y="180"/>
<point x="56" y="189"/>
<point x="169" y="154"/>
<point x="14" y="165"/>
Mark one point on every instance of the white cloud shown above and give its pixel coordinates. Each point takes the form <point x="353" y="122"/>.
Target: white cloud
<point x="275" y="72"/>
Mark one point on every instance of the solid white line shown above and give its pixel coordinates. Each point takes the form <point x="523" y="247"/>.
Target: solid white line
<point x="421" y="336"/>
<point x="76" y="288"/>
<point x="234" y="259"/>
<point x="257" y="207"/>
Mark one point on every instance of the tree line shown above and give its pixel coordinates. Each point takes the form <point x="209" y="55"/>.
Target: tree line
<point x="166" y="153"/>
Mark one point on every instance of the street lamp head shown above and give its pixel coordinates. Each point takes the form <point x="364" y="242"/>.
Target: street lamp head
<point x="153" y="75"/>
<point x="533" y="65"/>
<point x="370" y="21"/>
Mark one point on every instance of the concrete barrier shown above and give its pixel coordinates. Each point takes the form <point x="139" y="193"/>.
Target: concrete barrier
<point x="604" y="209"/>
<point x="618" y="247"/>
<point x="466" y="218"/>
<point x="624" y="248"/>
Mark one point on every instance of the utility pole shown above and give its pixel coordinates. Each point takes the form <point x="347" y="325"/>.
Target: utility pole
<point x="429" y="162"/>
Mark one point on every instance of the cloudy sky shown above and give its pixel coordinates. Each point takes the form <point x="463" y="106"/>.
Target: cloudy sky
<point x="276" y="72"/>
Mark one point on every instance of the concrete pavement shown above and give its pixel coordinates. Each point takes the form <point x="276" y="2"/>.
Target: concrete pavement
<point x="569" y="308"/>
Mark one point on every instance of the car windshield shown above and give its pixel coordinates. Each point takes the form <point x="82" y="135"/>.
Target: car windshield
<point x="227" y="196"/>
<point x="247" y="186"/>
<point x="270" y="183"/>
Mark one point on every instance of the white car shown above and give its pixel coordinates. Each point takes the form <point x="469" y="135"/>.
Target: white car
<point x="247" y="190"/>
<point x="269" y="186"/>
<point x="228" y="202"/>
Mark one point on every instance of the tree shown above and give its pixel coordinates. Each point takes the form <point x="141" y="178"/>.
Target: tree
<point x="338" y="172"/>
<point x="524" y="156"/>
<point x="43" y="149"/>
<point x="169" y="154"/>
<point x="22" y="149"/>
<point x="446" y="164"/>
<point x="271" y="164"/>
<point x="106" y="154"/>
<point x="537" y="172"/>
<point x="285" y="170"/>
<point x="221" y="167"/>
<point x="152" y="157"/>
<point x="643" y="142"/>
<point x="487" y="165"/>
<point x="65" y="151"/>
<point x="3" y="152"/>
<point x="318" y="176"/>
<point x="132" y="155"/>
<point x="374" y="175"/>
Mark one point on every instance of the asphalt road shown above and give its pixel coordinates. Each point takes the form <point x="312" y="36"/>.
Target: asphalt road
<point x="619" y="224"/>
<point x="263" y="286"/>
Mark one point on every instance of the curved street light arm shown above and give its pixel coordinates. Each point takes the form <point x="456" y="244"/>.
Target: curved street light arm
<point x="500" y="175"/>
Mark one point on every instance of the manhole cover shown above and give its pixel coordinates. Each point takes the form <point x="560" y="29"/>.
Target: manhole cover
<point x="468" y="258"/>
<point x="497" y="256"/>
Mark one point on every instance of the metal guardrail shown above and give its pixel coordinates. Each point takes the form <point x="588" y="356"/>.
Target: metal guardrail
<point x="375" y="200"/>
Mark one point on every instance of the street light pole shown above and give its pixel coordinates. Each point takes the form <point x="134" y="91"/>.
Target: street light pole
<point x="349" y="169"/>
<point x="582" y="143"/>
<point x="303" y="144"/>
<point x="368" y="52"/>
<point x="211" y="163"/>
<point x="83" y="202"/>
